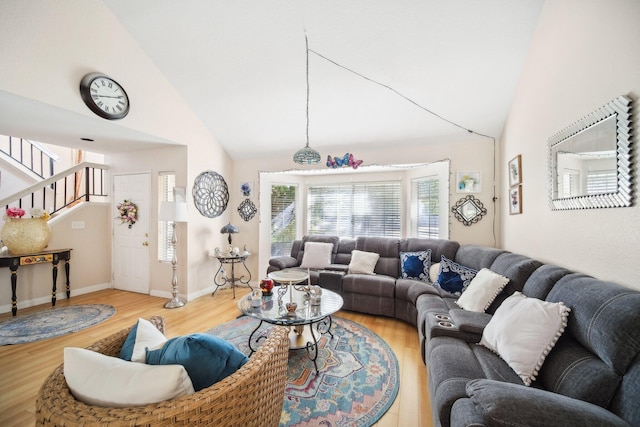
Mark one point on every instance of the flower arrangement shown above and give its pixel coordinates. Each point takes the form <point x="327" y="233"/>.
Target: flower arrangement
<point x="14" y="213"/>
<point x="17" y="213"/>
<point x="128" y="212"/>
<point x="39" y="213"/>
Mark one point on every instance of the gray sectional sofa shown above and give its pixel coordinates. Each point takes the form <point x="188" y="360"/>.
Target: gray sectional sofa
<point x="591" y="377"/>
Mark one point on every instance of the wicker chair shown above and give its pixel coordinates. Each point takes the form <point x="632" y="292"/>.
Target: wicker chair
<point x="252" y="396"/>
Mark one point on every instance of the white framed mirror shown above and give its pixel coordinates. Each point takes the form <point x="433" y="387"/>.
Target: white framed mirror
<point x="590" y="161"/>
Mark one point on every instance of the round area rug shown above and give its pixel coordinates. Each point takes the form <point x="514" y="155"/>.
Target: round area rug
<point x="52" y="322"/>
<point x="357" y="383"/>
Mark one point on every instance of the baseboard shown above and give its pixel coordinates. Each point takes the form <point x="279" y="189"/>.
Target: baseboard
<point x="60" y="295"/>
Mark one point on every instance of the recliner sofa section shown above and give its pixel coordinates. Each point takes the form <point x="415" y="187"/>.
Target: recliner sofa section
<point x="590" y="377"/>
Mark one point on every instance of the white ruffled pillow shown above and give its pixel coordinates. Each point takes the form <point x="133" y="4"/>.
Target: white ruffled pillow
<point x="316" y="255"/>
<point x="523" y="331"/>
<point x="483" y="289"/>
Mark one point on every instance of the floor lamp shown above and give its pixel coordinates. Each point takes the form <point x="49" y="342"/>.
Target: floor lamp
<point x="174" y="212"/>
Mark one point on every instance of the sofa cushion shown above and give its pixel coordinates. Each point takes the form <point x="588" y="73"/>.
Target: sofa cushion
<point x="143" y="335"/>
<point x="523" y="331"/>
<point x="510" y="405"/>
<point x="605" y="318"/>
<point x="482" y="290"/>
<point x="375" y="285"/>
<point x="101" y="380"/>
<point x="316" y="255"/>
<point x="207" y="358"/>
<point x="517" y="268"/>
<point x="453" y="277"/>
<point x="572" y="370"/>
<point x="415" y="265"/>
<point x="387" y="248"/>
<point x="363" y="262"/>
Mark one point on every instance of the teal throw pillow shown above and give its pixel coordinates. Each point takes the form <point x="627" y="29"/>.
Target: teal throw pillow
<point x="415" y="265"/>
<point x="207" y="359"/>
<point x="454" y="278"/>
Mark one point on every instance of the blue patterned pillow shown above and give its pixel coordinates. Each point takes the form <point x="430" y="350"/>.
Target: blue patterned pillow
<point x="453" y="277"/>
<point x="415" y="265"/>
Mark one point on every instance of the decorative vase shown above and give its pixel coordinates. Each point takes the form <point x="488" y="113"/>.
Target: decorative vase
<point x="25" y="235"/>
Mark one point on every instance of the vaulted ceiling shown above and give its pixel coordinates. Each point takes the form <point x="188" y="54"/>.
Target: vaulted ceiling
<point x="379" y="71"/>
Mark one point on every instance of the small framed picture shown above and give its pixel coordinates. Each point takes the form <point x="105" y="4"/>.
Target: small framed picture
<point x="515" y="171"/>
<point x="246" y="189"/>
<point x="468" y="182"/>
<point x="515" y="200"/>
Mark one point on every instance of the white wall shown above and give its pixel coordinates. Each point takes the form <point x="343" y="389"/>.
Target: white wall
<point x="51" y="45"/>
<point x="583" y="55"/>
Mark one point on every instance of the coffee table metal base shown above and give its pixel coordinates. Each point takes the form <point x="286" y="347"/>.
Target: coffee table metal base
<point x="302" y="336"/>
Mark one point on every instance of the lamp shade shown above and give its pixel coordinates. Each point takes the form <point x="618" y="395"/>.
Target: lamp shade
<point x="229" y="229"/>
<point x="173" y="211"/>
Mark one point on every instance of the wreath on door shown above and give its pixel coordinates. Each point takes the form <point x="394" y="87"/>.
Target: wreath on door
<point x="128" y="212"/>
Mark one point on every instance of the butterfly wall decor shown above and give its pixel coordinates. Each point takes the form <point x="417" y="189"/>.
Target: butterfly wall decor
<point x="346" y="160"/>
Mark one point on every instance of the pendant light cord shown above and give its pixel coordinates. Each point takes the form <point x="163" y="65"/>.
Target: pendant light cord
<point x="306" y="41"/>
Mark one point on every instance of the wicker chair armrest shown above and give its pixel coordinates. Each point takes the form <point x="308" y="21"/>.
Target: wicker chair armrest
<point x="252" y="396"/>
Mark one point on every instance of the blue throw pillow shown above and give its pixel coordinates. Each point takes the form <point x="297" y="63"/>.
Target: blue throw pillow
<point x="415" y="265"/>
<point x="453" y="277"/>
<point x="207" y="359"/>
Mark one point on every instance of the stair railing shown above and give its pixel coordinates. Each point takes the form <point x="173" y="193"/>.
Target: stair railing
<point x="30" y="154"/>
<point x="83" y="182"/>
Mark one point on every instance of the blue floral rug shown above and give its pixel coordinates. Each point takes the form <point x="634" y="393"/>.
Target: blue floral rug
<point x="357" y="383"/>
<point x="52" y="322"/>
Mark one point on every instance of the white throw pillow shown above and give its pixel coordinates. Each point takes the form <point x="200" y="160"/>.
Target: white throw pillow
<point x="101" y="380"/>
<point x="316" y="255"/>
<point x="147" y="336"/>
<point x="434" y="271"/>
<point x="482" y="290"/>
<point x="523" y="331"/>
<point x="363" y="262"/>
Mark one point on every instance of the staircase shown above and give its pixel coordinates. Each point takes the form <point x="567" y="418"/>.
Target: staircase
<point x="28" y="155"/>
<point x="52" y="192"/>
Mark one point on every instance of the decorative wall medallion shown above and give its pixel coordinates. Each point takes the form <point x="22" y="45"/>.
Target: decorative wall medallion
<point x="210" y="194"/>
<point x="469" y="210"/>
<point x="247" y="209"/>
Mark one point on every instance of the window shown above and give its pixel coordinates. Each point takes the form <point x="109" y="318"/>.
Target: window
<point x="427" y="199"/>
<point x="166" y="186"/>
<point x="352" y="210"/>
<point x="602" y="182"/>
<point x="283" y="219"/>
<point x="570" y="183"/>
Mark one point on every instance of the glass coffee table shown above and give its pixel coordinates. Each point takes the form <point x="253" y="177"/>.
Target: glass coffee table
<point x="307" y="323"/>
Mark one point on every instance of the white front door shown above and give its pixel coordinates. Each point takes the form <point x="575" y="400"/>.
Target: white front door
<point x="131" y="244"/>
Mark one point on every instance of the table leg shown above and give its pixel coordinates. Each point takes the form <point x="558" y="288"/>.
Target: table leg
<point x="55" y="279"/>
<point x="14" y="284"/>
<point x="257" y="339"/>
<point x="233" y="279"/>
<point x="66" y="271"/>
<point x="215" y="280"/>
<point x="312" y="348"/>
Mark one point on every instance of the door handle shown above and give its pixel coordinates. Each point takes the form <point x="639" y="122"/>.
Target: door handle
<point x="145" y="243"/>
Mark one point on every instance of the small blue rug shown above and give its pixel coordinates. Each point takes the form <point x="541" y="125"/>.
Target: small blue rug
<point x="52" y="323"/>
<point x="357" y="383"/>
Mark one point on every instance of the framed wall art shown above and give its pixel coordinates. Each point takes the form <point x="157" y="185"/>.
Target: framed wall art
<point x="515" y="200"/>
<point x="515" y="171"/>
<point x="468" y="182"/>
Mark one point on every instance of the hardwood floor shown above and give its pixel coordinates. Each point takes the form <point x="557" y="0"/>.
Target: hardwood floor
<point x="26" y="366"/>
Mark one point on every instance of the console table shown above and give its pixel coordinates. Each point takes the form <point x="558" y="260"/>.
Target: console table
<point x="233" y="260"/>
<point x="53" y="256"/>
